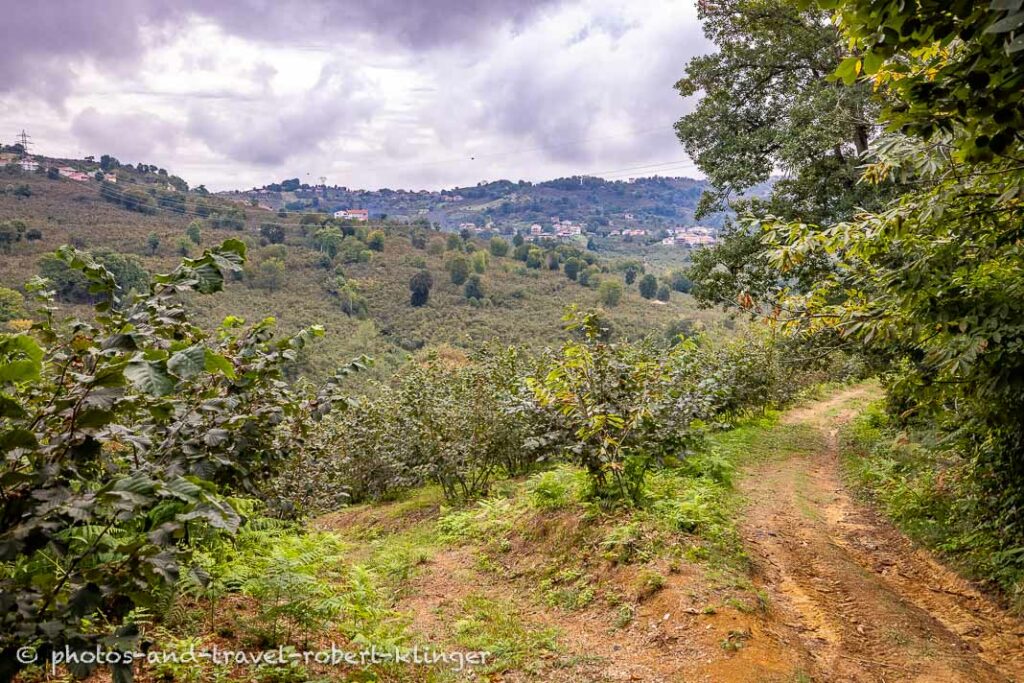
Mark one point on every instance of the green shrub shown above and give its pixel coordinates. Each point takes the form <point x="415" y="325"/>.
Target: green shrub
<point x="195" y="232"/>
<point x="610" y="292"/>
<point x="473" y="288"/>
<point x="617" y="403"/>
<point x="123" y="465"/>
<point x="458" y="269"/>
<point x="480" y="261"/>
<point x="73" y="285"/>
<point x="498" y="246"/>
<point x="12" y="305"/>
<point x="573" y="267"/>
<point x="648" y="286"/>
<point x="272" y="232"/>
<point x="556" y="489"/>
<point x="268" y="274"/>
<point x="419" y="288"/>
<point x="375" y="240"/>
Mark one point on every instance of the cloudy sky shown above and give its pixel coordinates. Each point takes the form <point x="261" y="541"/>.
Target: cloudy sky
<point x="377" y="93"/>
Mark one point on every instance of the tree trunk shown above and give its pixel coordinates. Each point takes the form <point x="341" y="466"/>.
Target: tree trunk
<point x="860" y="139"/>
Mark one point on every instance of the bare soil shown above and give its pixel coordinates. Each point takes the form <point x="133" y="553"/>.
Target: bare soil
<point x="859" y="598"/>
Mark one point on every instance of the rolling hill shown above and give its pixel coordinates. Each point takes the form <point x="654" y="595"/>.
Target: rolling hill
<point x="295" y="283"/>
<point x="599" y="205"/>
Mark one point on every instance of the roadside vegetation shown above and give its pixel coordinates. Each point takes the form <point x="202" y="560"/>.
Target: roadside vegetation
<point x="896" y="234"/>
<point x="539" y="461"/>
<point x="923" y="481"/>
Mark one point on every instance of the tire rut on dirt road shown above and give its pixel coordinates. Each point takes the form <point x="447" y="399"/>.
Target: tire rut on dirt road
<point x="864" y="603"/>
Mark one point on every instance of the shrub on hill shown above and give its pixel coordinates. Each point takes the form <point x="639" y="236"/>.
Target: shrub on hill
<point x="610" y="292"/>
<point x="231" y="218"/>
<point x="648" y="286"/>
<point x="272" y="232"/>
<point x="419" y="288"/>
<point x="444" y="421"/>
<point x="375" y="240"/>
<point x="458" y="269"/>
<point x="573" y="267"/>
<point x="12" y="305"/>
<point x="473" y="288"/>
<point x="72" y="285"/>
<point x="498" y="246"/>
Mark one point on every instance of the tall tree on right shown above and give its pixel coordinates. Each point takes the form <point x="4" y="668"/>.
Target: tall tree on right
<point x="768" y="106"/>
<point x="934" y="280"/>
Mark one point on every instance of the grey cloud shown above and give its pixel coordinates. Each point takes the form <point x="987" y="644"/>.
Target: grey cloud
<point x="131" y="136"/>
<point x="612" y="70"/>
<point x="44" y="40"/>
<point x="410" y="23"/>
<point x="273" y="129"/>
<point x="473" y="100"/>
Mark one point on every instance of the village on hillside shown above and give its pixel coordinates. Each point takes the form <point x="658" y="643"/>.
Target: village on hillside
<point x="488" y="209"/>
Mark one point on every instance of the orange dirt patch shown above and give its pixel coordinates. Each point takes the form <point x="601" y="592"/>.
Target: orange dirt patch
<point x="857" y="595"/>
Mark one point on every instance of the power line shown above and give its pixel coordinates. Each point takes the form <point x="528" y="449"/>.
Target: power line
<point x="110" y="191"/>
<point x="511" y="152"/>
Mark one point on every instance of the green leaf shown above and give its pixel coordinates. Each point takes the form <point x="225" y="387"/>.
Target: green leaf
<point x="210" y="279"/>
<point x="109" y="376"/>
<point x="149" y="377"/>
<point x="873" y="62"/>
<point x="848" y="70"/>
<point x="1007" y="24"/>
<point x="21" y="359"/>
<point x="188" y="363"/>
<point x="16" y="438"/>
<point x="184" y="490"/>
<point x="233" y="249"/>
<point x="91" y="418"/>
<point x="218" y="363"/>
<point x="216" y="437"/>
<point x="10" y="407"/>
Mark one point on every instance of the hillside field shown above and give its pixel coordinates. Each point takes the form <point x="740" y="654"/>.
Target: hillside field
<point x="521" y="306"/>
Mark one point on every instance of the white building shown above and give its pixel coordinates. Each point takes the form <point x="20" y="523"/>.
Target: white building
<point x="353" y="214"/>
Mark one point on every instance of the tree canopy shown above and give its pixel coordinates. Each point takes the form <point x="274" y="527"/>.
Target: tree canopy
<point x="767" y="106"/>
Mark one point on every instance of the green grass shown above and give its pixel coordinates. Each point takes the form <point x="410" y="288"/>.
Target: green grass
<point x="494" y="626"/>
<point x="761" y="437"/>
<point x="928" y="491"/>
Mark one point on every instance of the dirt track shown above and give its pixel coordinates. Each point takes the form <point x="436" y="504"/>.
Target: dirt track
<point x="838" y="594"/>
<point x="860" y="599"/>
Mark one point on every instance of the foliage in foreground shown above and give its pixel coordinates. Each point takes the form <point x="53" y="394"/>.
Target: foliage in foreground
<point x="124" y="442"/>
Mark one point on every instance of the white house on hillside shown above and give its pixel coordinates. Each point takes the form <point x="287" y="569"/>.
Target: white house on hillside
<point x="353" y="214"/>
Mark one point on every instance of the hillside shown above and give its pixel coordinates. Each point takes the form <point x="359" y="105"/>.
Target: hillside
<point x="520" y="305"/>
<point x="595" y="442"/>
<point x="599" y="205"/>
